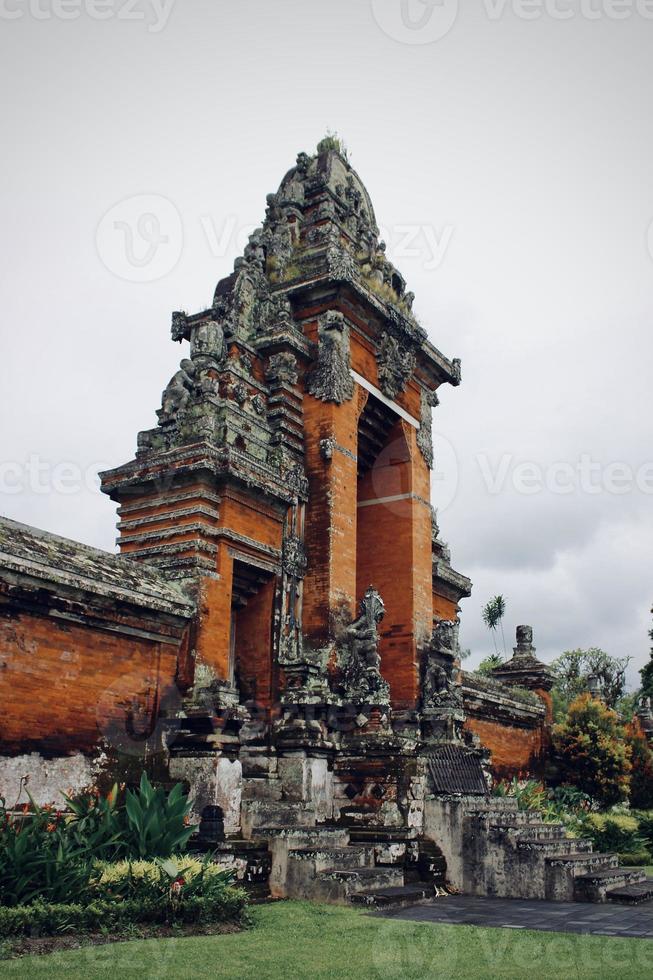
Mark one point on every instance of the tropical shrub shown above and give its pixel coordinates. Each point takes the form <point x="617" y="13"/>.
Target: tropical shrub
<point x="40" y="857"/>
<point x="152" y="880"/>
<point x="636" y="859"/>
<point x="46" y="919"/>
<point x="641" y="778"/>
<point x="50" y="854"/>
<point x="149" y="823"/>
<point x="592" y="752"/>
<point x="646" y="827"/>
<point x="156" y="823"/>
<point x="615" y="833"/>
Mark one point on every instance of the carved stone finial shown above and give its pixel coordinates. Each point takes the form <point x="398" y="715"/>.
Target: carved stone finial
<point x="331" y="380"/>
<point x="524" y="646"/>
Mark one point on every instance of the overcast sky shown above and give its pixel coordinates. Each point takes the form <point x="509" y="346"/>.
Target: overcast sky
<point x="507" y="150"/>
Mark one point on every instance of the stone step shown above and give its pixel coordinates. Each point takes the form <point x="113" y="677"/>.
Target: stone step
<point x="555" y="846"/>
<point x="510" y="819"/>
<point x="319" y="858"/>
<point x="542" y="831"/>
<point x="561" y="872"/>
<point x="491" y="804"/>
<point x="256" y="814"/>
<point x="284" y="841"/>
<point x="632" y="894"/>
<point x="375" y="835"/>
<point x="594" y="887"/>
<point x="336" y="886"/>
<point x="394" y="898"/>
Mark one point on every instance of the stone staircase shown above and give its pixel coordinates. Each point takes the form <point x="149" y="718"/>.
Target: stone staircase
<point x="335" y="864"/>
<point x="505" y="852"/>
<point x="510" y="853"/>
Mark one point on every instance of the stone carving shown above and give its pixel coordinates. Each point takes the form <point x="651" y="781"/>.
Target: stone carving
<point x="429" y="401"/>
<point x="362" y="663"/>
<point x="327" y="447"/>
<point x="294" y="557"/>
<point x="457" y="371"/>
<point x="445" y="638"/>
<point x="331" y="381"/>
<point x="342" y="264"/>
<point x="282" y="368"/>
<point x="177" y="393"/>
<point x="440" y="687"/>
<point x="296" y="479"/>
<point x="258" y="404"/>
<point x="207" y="340"/>
<point x="277" y="316"/>
<point x="396" y="364"/>
<point x="179" y="322"/>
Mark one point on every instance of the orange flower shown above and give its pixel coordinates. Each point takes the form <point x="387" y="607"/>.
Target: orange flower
<point x="50" y="827"/>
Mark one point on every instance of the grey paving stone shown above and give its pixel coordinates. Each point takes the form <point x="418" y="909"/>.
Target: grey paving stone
<point x="575" y="917"/>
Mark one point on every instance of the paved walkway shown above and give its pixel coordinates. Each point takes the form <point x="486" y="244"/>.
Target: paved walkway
<point x="504" y="913"/>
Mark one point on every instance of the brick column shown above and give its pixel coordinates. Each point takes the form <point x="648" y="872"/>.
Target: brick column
<point x="214" y="615"/>
<point x="331" y="437"/>
<point x="394" y="555"/>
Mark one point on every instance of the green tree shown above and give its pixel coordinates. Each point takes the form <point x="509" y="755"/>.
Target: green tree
<point x="592" y="751"/>
<point x="646" y="673"/>
<point x="493" y="613"/>
<point x="574" y="668"/>
<point x="641" y="779"/>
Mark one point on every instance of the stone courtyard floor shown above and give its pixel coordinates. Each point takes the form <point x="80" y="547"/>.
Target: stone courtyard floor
<point x="631" y="921"/>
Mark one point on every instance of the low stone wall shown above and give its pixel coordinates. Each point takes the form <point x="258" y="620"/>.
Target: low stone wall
<point x="511" y="723"/>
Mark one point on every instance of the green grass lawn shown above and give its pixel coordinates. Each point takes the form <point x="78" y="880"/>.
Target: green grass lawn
<point x="297" y="940"/>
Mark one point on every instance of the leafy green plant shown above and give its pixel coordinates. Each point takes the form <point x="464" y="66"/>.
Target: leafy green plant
<point x="646" y="827"/>
<point x="641" y="779"/>
<point x="51" y="919"/>
<point x="157" y="823"/>
<point x="97" y="822"/>
<point x="636" y="859"/>
<point x="610" y="833"/>
<point x="152" y="880"/>
<point x="41" y="857"/>
<point x="493" y="612"/>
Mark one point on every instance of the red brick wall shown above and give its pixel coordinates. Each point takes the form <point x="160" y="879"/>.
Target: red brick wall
<point x="62" y="686"/>
<point x="514" y="749"/>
